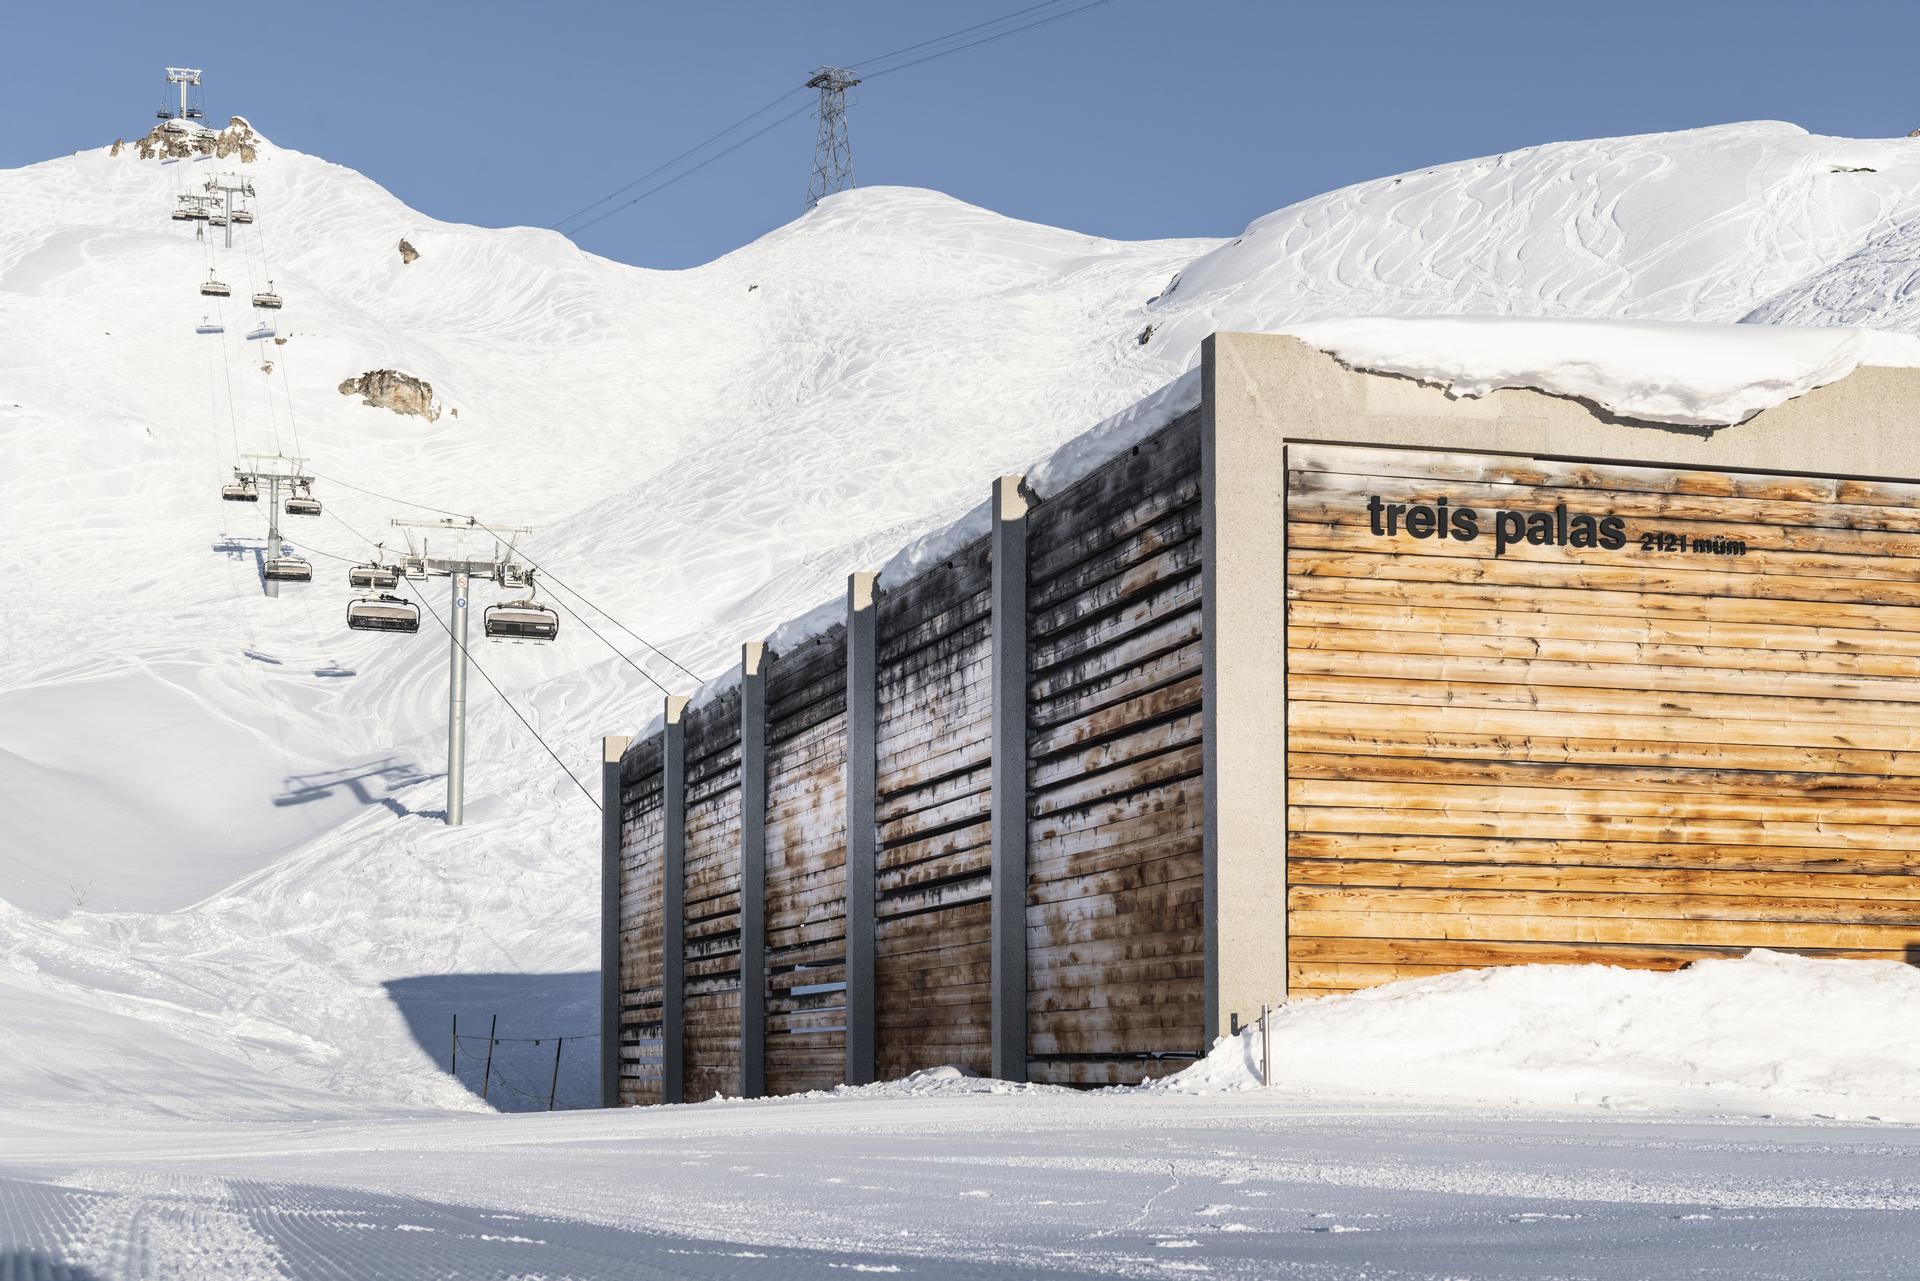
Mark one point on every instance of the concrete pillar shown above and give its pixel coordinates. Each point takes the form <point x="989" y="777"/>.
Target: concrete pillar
<point x="753" y="870"/>
<point x="1243" y="503"/>
<point x="673" y="902"/>
<point x="863" y="680"/>
<point x="612" y="747"/>
<point x="1008" y="776"/>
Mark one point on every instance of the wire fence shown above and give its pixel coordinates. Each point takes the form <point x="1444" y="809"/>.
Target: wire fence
<point x="492" y="1073"/>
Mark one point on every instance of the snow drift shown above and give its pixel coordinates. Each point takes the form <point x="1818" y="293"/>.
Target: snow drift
<point x="1766" y="1033"/>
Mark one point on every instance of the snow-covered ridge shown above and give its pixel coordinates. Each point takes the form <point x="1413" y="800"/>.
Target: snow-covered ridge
<point x="238" y="796"/>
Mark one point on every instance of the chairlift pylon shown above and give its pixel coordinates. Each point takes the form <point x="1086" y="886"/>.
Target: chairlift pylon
<point x="383" y="613"/>
<point x="213" y="288"/>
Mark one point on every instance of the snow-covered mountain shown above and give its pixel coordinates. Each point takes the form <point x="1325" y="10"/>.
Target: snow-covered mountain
<point x="225" y="890"/>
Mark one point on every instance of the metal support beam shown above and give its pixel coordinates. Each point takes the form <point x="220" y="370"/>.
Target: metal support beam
<point x="273" y="531"/>
<point x="612" y="981"/>
<point x="1009" y="780"/>
<point x="862" y="834"/>
<point x="457" y="699"/>
<point x="673" y="902"/>
<point x="753" y="870"/>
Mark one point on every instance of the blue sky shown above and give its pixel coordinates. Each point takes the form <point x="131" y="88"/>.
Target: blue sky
<point x="1136" y="119"/>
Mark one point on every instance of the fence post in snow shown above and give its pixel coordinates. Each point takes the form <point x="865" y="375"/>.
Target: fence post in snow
<point x="553" y="1087"/>
<point x="753" y="870"/>
<point x="862" y="801"/>
<point x="486" y="1074"/>
<point x="453" y="1060"/>
<point x="673" y="901"/>
<point x="612" y="748"/>
<point x="1008" y="774"/>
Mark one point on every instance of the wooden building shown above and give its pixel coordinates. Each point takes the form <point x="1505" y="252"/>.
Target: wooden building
<point x="1332" y="681"/>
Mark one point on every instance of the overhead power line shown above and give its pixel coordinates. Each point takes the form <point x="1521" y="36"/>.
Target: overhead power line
<point x="875" y="74"/>
<point x="940" y="46"/>
<point x="933" y="40"/>
<point x="668" y="164"/>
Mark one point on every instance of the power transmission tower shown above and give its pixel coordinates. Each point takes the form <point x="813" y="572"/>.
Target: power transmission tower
<point x="461" y="570"/>
<point x="832" y="152"/>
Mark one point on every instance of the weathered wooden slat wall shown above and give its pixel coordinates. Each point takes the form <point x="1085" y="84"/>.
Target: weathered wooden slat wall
<point x="806" y="865"/>
<point x="712" y="1034"/>
<point x="1114" y="900"/>
<point x="640" y="923"/>
<point x="1576" y="754"/>
<point x="931" y="933"/>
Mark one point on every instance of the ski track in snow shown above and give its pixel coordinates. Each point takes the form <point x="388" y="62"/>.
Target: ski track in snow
<point x="1048" y="1184"/>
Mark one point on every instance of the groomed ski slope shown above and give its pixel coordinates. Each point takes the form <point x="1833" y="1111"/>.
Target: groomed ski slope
<point x="227" y="894"/>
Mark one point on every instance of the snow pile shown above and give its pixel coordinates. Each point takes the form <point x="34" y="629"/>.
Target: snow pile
<point x="1708" y="375"/>
<point x="1765" y="1033"/>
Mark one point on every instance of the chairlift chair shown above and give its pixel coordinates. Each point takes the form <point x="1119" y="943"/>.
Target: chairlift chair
<point x="163" y="114"/>
<point x="289" y="569"/>
<point x="260" y="331"/>
<point x="183" y="215"/>
<point x="240" y="491"/>
<point x="173" y="126"/>
<point x="209" y="327"/>
<point x="194" y="113"/>
<point x="383" y="613"/>
<point x="520" y="620"/>
<point x="267" y="299"/>
<point x="243" y="216"/>
<point x="217" y="220"/>
<point x="301" y="501"/>
<point x="215" y="288"/>
<point x="373" y="574"/>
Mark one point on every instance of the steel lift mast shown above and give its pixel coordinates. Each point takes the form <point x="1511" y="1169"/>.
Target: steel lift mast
<point x="273" y="470"/>
<point x="184" y="77"/>
<point x="230" y="189"/>
<point x="461" y="570"/>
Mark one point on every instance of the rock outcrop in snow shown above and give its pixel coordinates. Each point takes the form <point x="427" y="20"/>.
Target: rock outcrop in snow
<point x="392" y="389"/>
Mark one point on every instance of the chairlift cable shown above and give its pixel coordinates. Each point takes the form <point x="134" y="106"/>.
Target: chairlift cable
<point x="610" y="645"/>
<point x="544" y="572"/>
<point x="464" y="649"/>
<point x="467" y="650"/>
